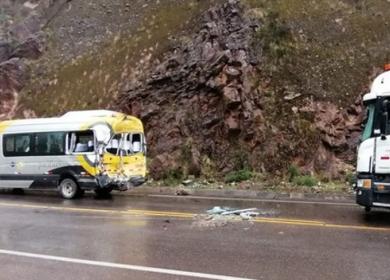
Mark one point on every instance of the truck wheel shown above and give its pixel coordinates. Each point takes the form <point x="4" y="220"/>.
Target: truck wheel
<point x="367" y="209"/>
<point x="68" y="188"/>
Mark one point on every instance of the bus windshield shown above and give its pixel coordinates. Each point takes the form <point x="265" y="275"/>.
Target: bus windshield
<point x="127" y="143"/>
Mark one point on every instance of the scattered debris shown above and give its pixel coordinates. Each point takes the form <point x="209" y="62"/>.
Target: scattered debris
<point x="245" y="214"/>
<point x="187" y="182"/>
<point x="248" y="215"/>
<point x="240" y="211"/>
<point x="182" y="192"/>
<point x="219" y="210"/>
<point x="213" y="221"/>
<point x="292" y="96"/>
<point x="220" y="216"/>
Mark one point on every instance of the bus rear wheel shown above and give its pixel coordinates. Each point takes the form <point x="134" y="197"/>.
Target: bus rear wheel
<point x="68" y="188"/>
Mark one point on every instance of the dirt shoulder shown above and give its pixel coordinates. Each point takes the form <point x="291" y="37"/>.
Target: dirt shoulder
<point x="331" y="191"/>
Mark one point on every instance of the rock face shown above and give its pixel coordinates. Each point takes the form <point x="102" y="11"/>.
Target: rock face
<point x="200" y="100"/>
<point x="12" y="79"/>
<point x="29" y="43"/>
<point x="32" y="48"/>
<point x="5" y="51"/>
<point x="339" y="132"/>
<point x="203" y="107"/>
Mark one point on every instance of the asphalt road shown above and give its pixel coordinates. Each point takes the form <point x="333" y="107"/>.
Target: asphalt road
<point x="127" y="237"/>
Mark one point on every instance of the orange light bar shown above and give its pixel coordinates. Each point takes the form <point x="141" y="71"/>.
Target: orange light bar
<point x="386" y="67"/>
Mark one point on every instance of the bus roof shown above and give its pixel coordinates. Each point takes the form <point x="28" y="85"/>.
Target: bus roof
<point x="75" y="120"/>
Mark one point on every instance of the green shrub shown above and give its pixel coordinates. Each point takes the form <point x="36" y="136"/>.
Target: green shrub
<point x="173" y="177"/>
<point x="308" y="181"/>
<point x="293" y="171"/>
<point x="238" y="176"/>
<point x="350" y="178"/>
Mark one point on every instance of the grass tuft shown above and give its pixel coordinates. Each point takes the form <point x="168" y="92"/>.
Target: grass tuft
<point x="306" y="180"/>
<point x="238" y="176"/>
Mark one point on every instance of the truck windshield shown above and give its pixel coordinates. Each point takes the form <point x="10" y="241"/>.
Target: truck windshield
<point x="368" y="122"/>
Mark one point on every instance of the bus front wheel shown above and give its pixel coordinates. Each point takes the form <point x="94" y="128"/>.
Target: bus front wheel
<point x="68" y="188"/>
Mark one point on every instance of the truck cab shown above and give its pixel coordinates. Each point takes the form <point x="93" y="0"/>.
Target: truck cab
<point x="373" y="160"/>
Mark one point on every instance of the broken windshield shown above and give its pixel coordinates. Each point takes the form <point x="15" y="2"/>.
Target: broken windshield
<point x="126" y="142"/>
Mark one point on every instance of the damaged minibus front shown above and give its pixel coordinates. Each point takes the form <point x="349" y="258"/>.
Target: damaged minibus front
<point x="97" y="150"/>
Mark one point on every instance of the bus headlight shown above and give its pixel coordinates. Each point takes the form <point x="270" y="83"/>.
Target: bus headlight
<point x="364" y="183"/>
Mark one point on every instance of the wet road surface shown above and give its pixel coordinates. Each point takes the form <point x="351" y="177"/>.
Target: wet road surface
<point x="130" y="237"/>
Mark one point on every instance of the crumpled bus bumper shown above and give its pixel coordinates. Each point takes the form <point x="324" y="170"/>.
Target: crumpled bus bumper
<point x="120" y="183"/>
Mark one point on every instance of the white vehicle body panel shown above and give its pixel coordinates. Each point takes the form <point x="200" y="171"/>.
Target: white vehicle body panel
<point x="365" y="155"/>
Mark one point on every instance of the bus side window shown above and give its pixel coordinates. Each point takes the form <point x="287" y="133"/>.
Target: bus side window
<point x="49" y="144"/>
<point x="17" y="145"/>
<point x="82" y="142"/>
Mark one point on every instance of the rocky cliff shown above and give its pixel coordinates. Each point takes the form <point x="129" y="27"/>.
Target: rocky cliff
<point x="206" y="107"/>
<point x="220" y="85"/>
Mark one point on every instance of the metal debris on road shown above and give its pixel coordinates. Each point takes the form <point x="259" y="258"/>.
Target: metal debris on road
<point x="240" y="211"/>
<point x="219" y="210"/>
<point x="245" y="214"/>
<point x="221" y="216"/>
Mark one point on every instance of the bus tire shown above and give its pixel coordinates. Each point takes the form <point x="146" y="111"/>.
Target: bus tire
<point x="68" y="188"/>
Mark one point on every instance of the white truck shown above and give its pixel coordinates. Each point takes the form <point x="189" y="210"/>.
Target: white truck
<point x="373" y="160"/>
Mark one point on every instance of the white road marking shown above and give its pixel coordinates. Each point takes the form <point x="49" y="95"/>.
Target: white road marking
<point x="254" y="200"/>
<point x="122" y="266"/>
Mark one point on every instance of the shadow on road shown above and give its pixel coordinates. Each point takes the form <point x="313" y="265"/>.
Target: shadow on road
<point x="377" y="217"/>
<point x="105" y="196"/>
